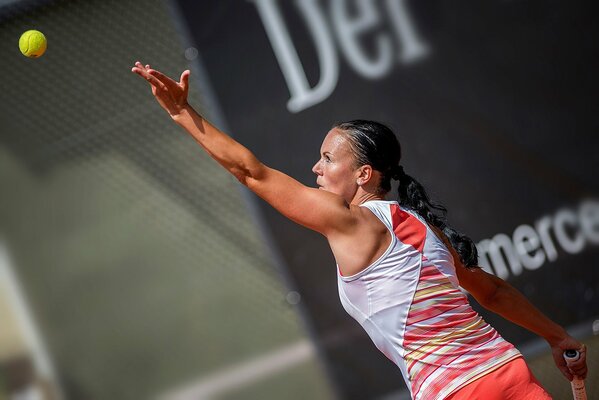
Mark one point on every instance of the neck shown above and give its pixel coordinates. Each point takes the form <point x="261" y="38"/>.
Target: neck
<point x="363" y="196"/>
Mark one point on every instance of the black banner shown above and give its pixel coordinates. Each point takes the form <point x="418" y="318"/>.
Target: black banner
<point x="494" y="104"/>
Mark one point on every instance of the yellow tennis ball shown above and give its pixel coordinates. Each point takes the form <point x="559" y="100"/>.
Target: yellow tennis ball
<point x="33" y="43"/>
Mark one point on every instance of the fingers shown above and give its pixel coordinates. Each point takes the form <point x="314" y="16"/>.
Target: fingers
<point x="161" y="82"/>
<point x="561" y="363"/>
<point x="578" y="367"/>
<point x="166" y="81"/>
<point x="155" y="82"/>
<point x="184" y="82"/>
<point x="140" y="65"/>
<point x="578" y="371"/>
<point x="185" y="76"/>
<point x="564" y="370"/>
<point x="144" y="72"/>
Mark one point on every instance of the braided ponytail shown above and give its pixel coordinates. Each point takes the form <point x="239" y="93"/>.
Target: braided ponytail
<point x="375" y="144"/>
<point x="413" y="195"/>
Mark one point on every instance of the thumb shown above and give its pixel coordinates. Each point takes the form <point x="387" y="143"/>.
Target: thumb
<point x="566" y="372"/>
<point x="184" y="81"/>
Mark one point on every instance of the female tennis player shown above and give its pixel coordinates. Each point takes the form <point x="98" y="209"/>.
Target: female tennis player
<point x="400" y="265"/>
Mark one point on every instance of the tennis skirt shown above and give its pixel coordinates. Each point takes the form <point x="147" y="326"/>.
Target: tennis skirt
<point x="512" y="381"/>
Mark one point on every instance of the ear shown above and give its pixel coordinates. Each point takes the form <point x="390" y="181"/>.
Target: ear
<point x="364" y="175"/>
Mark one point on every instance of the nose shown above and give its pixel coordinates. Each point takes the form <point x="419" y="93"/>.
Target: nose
<point x="316" y="168"/>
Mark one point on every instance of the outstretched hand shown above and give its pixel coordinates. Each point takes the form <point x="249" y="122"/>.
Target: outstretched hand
<point x="171" y="95"/>
<point x="577" y="368"/>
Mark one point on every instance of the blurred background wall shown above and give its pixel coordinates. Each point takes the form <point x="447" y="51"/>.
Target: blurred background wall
<point x="132" y="266"/>
<point x="139" y="260"/>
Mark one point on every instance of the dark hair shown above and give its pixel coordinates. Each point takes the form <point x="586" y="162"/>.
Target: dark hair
<point x="376" y="145"/>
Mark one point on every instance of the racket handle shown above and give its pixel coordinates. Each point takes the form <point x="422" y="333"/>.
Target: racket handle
<point x="578" y="390"/>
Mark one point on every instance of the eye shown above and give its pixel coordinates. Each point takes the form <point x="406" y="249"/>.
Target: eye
<point x="326" y="158"/>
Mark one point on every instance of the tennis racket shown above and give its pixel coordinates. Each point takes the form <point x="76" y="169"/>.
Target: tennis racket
<point x="578" y="390"/>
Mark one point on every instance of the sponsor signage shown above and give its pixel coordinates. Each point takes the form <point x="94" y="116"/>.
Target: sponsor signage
<point x="493" y="103"/>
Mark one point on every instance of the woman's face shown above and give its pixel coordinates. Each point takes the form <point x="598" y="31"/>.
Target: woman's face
<point x="336" y="170"/>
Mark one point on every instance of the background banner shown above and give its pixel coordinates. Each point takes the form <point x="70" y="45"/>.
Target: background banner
<point x="493" y="103"/>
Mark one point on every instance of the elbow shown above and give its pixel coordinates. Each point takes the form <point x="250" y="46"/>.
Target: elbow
<point x="488" y="301"/>
<point x="484" y="287"/>
<point x="497" y="300"/>
<point x="487" y="291"/>
<point x="241" y="175"/>
<point x="248" y="175"/>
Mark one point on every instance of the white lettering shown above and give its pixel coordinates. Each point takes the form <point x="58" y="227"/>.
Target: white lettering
<point x="527" y="243"/>
<point x="543" y="225"/>
<point x="348" y="30"/>
<point x="412" y="47"/>
<point x="495" y="250"/>
<point x="530" y="247"/>
<point x="302" y="95"/>
<point x="589" y="220"/>
<point x="571" y="245"/>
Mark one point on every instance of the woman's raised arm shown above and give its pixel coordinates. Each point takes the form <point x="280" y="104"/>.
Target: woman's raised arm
<point x="318" y="210"/>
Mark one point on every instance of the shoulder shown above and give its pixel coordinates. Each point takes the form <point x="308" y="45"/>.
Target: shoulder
<point x="374" y="215"/>
<point x="365" y="218"/>
<point x="362" y="243"/>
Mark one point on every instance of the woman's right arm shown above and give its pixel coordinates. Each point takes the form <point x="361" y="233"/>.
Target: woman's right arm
<point x="316" y="209"/>
<point x="310" y="207"/>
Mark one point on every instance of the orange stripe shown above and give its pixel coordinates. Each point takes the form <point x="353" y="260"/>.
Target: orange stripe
<point x="408" y="229"/>
<point x="427" y="314"/>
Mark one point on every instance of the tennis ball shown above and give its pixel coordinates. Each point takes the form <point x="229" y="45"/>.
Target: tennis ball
<point x="33" y="43"/>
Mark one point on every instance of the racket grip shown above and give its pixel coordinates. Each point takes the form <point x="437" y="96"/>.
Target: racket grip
<point x="578" y="390"/>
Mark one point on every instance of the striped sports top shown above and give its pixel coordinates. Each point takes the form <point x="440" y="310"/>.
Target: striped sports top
<point x="410" y="304"/>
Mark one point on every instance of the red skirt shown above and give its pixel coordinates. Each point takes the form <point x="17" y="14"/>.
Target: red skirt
<point x="512" y="381"/>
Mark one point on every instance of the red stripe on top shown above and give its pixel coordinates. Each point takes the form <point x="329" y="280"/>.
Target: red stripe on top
<point x="432" y="312"/>
<point x="430" y="272"/>
<point x="408" y="229"/>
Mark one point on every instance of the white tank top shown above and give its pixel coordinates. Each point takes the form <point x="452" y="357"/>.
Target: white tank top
<point x="410" y="304"/>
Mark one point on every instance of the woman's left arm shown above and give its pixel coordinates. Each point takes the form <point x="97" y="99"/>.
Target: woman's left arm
<point x="499" y="296"/>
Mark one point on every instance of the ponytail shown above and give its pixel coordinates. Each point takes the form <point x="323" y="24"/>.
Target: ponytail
<point x="413" y="195"/>
<point x="375" y="144"/>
